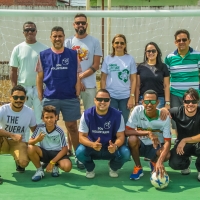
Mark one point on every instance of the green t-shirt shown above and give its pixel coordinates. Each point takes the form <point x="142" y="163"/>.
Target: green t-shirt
<point x="25" y="56"/>
<point x="184" y="71"/>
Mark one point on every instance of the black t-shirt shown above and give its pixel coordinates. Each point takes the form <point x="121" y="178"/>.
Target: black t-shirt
<point x="186" y="126"/>
<point x="152" y="78"/>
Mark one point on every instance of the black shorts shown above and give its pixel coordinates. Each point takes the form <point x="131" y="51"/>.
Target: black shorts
<point x="48" y="155"/>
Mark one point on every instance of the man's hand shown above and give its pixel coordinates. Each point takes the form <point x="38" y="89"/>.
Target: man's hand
<point x="179" y="149"/>
<point x="97" y="145"/>
<point x="154" y="139"/>
<point x="164" y="112"/>
<point x="16" y="137"/>
<point x="82" y="87"/>
<point x="40" y="137"/>
<point x="131" y="103"/>
<point x="49" y="167"/>
<point x="160" y="169"/>
<point x="111" y="147"/>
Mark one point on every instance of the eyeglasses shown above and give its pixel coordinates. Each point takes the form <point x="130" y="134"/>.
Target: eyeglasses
<point x="29" y="29"/>
<point x="190" y="101"/>
<point x="183" y="40"/>
<point x="153" y="51"/>
<point x="153" y="102"/>
<point x="15" y="97"/>
<point x="103" y="99"/>
<point x="78" y="23"/>
<point x="122" y="43"/>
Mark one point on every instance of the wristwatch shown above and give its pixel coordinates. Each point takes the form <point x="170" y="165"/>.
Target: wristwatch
<point x="167" y="102"/>
<point x="132" y="95"/>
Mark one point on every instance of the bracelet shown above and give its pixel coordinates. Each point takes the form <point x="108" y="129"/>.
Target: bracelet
<point x="93" y="69"/>
<point x="51" y="162"/>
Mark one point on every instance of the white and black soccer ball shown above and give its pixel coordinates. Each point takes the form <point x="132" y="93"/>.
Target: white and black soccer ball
<point x="159" y="182"/>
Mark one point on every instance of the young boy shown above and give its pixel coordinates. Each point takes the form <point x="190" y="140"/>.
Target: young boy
<point x="52" y="147"/>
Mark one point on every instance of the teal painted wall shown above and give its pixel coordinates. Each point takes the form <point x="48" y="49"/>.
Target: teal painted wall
<point x="146" y="2"/>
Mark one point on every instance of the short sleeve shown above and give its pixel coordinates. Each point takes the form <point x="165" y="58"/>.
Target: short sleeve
<point x="133" y="67"/>
<point x="133" y="119"/>
<point x="33" y="120"/>
<point x="97" y="50"/>
<point x="173" y="112"/>
<point x="122" y="125"/>
<point x="14" y="58"/>
<point x="165" y="70"/>
<point x="39" y="67"/>
<point x="83" y="128"/>
<point x="104" y="67"/>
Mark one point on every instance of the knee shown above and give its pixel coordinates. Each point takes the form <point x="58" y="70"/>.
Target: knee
<point x="30" y="149"/>
<point x="133" y="141"/>
<point x="80" y="151"/>
<point x="23" y="163"/>
<point x="125" y="153"/>
<point x="72" y="126"/>
<point x="66" y="167"/>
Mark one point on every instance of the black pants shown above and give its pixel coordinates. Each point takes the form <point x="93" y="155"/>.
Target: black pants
<point x="180" y="162"/>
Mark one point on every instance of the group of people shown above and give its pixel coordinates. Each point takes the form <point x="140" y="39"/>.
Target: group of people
<point x="52" y="80"/>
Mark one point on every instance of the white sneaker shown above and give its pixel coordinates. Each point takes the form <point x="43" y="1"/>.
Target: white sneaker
<point x="90" y="174"/>
<point x="113" y="174"/>
<point x="39" y="174"/>
<point x="187" y="171"/>
<point x="198" y="176"/>
<point x="55" y="172"/>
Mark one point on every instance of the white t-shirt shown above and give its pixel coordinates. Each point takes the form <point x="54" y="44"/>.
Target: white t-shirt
<point x="138" y="120"/>
<point x="16" y="122"/>
<point x="87" y="48"/>
<point x="84" y="128"/>
<point x="25" y="56"/>
<point x="118" y="70"/>
<point x="54" y="140"/>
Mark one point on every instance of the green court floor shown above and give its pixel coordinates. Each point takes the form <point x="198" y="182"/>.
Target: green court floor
<point x="74" y="185"/>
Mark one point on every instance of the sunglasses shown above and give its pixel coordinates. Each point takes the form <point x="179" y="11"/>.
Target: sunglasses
<point x="190" y="101"/>
<point x="153" y="51"/>
<point x="183" y="40"/>
<point x="103" y="99"/>
<point x="122" y="43"/>
<point x="153" y="102"/>
<point x="15" y="97"/>
<point x="78" y="23"/>
<point x="29" y="29"/>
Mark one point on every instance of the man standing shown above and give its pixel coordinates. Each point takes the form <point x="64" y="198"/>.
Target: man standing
<point x="149" y="136"/>
<point x="183" y="65"/>
<point x="57" y="69"/>
<point x="23" y="61"/>
<point x="101" y="136"/>
<point x="90" y="53"/>
<point x="187" y="119"/>
<point x="16" y="118"/>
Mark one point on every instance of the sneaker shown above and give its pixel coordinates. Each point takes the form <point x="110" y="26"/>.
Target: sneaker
<point x="39" y="174"/>
<point x="187" y="171"/>
<point x="113" y="174"/>
<point x="90" y="174"/>
<point x="137" y="173"/>
<point x="19" y="169"/>
<point x="55" y="171"/>
<point x="198" y="176"/>
<point x="44" y="165"/>
<point x="79" y="164"/>
<point x="152" y="166"/>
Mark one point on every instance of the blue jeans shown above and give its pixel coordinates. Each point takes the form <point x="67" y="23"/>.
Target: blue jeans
<point x="121" y="105"/>
<point x="161" y="101"/>
<point x="87" y="154"/>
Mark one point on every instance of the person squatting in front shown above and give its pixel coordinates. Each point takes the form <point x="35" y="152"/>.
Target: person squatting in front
<point x="52" y="148"/>
<point x="149" y="136"/>
<point x="101" y="136"/>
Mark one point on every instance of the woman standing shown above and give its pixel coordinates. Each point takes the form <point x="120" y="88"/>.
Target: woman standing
<point x="118" y="76"/>
<point x="153" y="74"/>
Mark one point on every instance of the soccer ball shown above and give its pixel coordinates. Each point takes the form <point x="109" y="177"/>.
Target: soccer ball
<point x="159" y="182"/>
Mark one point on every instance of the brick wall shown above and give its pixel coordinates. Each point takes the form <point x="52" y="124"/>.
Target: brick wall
<point x="28" y="2"/>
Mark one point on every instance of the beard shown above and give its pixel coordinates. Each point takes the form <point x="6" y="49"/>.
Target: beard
<point x="80" y="31"/>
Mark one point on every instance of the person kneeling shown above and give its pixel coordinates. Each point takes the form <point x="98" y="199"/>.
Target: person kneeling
<point x="101" y="136"/>
<point x="149" y="136"/>
<point x="52" y="147"/>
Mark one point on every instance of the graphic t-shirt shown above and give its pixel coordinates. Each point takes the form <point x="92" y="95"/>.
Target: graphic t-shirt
<point x="86" y="48"/>
<point x="118" y="70"/>
<point x="16" y="122"/>
<point x="140" y="121"/>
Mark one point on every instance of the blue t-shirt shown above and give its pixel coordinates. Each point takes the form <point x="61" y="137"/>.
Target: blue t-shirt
<point x="60" y="73"/>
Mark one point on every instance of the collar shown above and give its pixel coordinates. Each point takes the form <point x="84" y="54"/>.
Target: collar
<point x="190" y="50"/>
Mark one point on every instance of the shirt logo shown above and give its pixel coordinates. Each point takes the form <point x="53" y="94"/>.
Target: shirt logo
<point x="65" y="61"/>
<point x="107" y="125"/>
<point x="124" y="75"/>
<point x="143" y="119"/>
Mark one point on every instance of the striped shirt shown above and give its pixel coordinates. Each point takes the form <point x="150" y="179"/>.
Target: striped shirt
<point x="184" y="71"/>
<point x="54" y="140"/>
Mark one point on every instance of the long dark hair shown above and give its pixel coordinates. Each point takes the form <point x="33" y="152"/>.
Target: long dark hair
<point x="159" y="62"/>
<point x="113" y="40"/>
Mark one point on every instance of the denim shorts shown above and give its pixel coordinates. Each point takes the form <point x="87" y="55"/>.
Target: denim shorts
<point x="148" y="151"/>
<point x="70" y="108"/>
